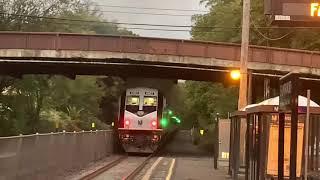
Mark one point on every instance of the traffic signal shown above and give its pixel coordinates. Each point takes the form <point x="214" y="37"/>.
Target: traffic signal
<point x="164" y="122"/>
<point x="177" y="120"/>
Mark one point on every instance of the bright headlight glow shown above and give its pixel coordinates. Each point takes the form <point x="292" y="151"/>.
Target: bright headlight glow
<point x="235" y="74"/>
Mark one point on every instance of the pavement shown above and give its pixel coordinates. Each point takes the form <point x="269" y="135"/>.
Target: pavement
<point x="199" y="168"/>
<point x="192" y="162"/>
<point x="180" y="160"/>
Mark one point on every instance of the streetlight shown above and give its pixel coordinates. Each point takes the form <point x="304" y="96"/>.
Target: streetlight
<point x="235" y="74"/>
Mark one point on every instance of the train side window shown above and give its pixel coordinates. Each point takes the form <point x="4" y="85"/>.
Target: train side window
<point x="133" y="100"/>
<point x="150" y="101"/>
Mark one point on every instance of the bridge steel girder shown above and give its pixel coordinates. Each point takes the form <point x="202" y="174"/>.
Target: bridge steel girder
<point x="63" y="46"/>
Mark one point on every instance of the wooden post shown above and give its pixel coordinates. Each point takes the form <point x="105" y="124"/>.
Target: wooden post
<point x="243" y="90"/>
<point x="306" y="134"/>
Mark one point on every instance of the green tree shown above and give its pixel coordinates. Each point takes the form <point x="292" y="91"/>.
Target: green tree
<point x="207" y="99"/>
<point x="32" y="92"/>
<point x="113" y="88"/>
<point x="79" y="99"/>
<point x="80" y="16"/>
<point x="40" y="103"/>
<point x="223" y="24"/>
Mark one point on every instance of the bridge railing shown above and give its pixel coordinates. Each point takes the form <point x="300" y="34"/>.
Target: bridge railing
<point x="50" y="156"/>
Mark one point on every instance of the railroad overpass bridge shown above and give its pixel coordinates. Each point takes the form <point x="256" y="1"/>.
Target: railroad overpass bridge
<point x="72" y="54"/>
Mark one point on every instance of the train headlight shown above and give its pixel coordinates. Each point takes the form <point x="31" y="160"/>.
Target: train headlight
<point x="154" y="123"/>
<point x="127" y="122"/>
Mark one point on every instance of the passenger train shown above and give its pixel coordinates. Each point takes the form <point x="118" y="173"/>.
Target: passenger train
<point x="139" y="127"/>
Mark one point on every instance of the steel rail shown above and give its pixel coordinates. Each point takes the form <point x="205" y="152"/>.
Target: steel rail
<point x="104" y="168"/>
<point x="136" y="171"/>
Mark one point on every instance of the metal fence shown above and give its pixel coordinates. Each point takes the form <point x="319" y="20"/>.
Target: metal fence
<point x="49" y="156"/>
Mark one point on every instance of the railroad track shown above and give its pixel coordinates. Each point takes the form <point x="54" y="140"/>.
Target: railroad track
<point x="130" y="176"/>
<point x="136" y="171"/>
<point x="104" y="168"/>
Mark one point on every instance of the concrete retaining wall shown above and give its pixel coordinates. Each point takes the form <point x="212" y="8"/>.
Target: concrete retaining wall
<point x="48" y="156"/>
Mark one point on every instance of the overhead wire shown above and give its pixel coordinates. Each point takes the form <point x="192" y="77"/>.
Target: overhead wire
<point x="155" y="25"/>
<point x="269" y="38"/>
<point x="176" y="30"/>
<point x="147" y="29"/>
<point x="145" y="13"/>
<point x="273" y="39"/>
<point x="95" y="21"/>
<point x="150" y="8"/>
<point x="130" y="24"/>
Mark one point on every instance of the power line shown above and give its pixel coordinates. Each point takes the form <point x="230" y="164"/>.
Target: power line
<point x="177" y="30"/>
<point x="150" y="29"/>
<point x="272" y="39"/>
<point x="155" y="14"/>
<point x="147" y="24"/>
<point x="117" y="23"/>
<point x="92" y="21"/>
<point x="269" y="38"/>
<point x="151" y="8"/>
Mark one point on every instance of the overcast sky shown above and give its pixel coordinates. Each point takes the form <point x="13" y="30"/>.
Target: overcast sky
<point x="153" y="19"/>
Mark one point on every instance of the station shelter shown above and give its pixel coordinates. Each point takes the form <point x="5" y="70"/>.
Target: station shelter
<point x="261" y="140"/>
<point x="237" y="148"/>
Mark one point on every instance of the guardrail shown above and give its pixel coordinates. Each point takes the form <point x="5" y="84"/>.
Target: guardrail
<point x="50" y="156"/>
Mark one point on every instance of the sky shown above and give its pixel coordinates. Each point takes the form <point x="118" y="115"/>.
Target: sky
<point x="153" y="19"/>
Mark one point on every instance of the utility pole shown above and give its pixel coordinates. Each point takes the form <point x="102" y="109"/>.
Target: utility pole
<point x="242" y="102"/>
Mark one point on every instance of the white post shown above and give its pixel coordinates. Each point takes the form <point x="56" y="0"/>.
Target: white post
<point x="306" y="139"/>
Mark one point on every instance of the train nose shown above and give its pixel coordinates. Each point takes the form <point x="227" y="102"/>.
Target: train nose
<point x="140" y="113"/>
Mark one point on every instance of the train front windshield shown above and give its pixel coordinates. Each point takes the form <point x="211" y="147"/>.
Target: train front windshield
<point x="150" y="101"/>
<point x="150" y="104"/>
<point x="132" y="104"/>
